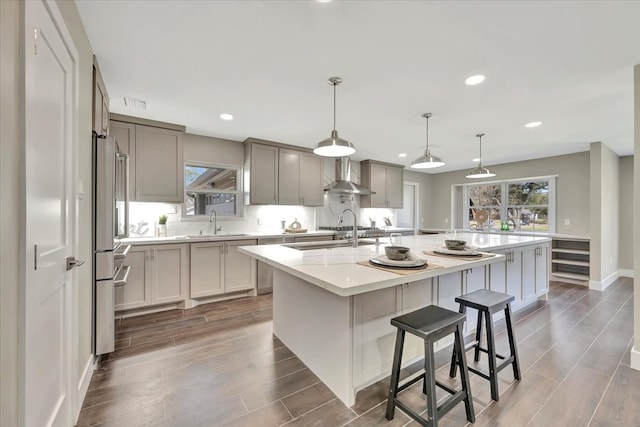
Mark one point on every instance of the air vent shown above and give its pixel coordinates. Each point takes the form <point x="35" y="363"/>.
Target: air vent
<point x="134" y="104"/>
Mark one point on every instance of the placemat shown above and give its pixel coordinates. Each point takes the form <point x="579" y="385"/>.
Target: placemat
<point x="401" y="271"/>
<point x="461" y="257"/>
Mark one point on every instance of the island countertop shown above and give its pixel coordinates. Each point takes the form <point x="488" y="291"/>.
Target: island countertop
<point x="337" y="269"/>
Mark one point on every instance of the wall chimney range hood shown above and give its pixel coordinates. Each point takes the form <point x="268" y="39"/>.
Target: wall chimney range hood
<point x="343" y="183"/>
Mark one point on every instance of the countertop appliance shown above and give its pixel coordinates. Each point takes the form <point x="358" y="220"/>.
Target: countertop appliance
<point x="110" y="222"/>
<point x="346" y="231"/>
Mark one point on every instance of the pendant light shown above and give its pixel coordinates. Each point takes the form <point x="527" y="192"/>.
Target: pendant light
<point x="480" y="172"/>
<point x="334" y="146"/>
<point x="427" y="161"/>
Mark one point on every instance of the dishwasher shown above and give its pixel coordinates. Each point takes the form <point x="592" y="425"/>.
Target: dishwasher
<point x="265" y="271"/>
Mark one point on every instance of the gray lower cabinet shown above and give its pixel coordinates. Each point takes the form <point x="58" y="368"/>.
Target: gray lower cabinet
<point x="219" y="268"/>
<point x="159" y="275"/>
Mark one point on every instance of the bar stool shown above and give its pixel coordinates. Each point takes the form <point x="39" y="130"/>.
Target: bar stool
<point x="487" y="303"/>
<point x="431" y="324"/>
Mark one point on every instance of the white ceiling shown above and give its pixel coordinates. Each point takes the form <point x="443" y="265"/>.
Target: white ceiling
<point x="566" y="64"/>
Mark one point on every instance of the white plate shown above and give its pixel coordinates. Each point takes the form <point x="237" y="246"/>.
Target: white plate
<point x="410" y="262"/>
<point x="469" y="250"/>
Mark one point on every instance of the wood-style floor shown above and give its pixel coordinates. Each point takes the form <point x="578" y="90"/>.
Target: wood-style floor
<point x="219" y="364"/>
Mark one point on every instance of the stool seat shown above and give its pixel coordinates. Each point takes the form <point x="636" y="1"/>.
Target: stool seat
<point x="486" y="300"/>
<point x="488" y="303"/>
<point x="430" y="323"/>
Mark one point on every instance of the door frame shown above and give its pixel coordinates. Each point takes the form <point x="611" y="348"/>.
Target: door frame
<point x="416" y="204"/>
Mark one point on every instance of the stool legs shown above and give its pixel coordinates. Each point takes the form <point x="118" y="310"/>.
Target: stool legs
<point x="464" y="375"/>
<point x="395" y="374"/>
<point x="491" y="352"/>
<point x="476" y="353"/>
<point x="430" y="386"/>
<point x="512" y="343"/>
<point x="454" y="365"/>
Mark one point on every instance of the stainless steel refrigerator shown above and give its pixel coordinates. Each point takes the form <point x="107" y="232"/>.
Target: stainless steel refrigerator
<point x="110" y="223"/>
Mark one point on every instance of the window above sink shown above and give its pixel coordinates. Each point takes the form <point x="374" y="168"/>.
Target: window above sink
<point x="209" y="187"/>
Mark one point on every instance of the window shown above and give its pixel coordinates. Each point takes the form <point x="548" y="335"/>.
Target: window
<point x="524" y="204"/>
<point x="211" y="187"/>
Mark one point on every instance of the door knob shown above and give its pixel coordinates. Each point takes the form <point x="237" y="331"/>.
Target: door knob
<point x="72" y="262"/>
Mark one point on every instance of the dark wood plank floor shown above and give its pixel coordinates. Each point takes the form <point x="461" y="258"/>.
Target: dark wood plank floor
<point x="219" y="364"/>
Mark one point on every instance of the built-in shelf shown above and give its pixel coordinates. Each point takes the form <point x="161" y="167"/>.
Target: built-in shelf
<point x="570" y="259"/>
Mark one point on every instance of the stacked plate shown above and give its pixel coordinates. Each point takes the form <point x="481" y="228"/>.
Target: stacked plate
<point x="467" y="251"/>
<point x="410" y="262"/>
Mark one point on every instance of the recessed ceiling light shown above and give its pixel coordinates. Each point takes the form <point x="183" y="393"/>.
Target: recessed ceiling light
<point x="475" y="160"/>
<point x="533" y="124"/>
<point x="402" y="155"/>
<point x="225" y="116"/>
<point x="474" y="80"/>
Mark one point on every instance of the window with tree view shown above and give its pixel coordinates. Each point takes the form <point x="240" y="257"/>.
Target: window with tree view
<point x="525" y="205"/>
<point x="211" y="188"/>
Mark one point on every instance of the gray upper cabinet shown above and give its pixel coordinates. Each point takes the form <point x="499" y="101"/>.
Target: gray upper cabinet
<point x="261" y="174"/>
<point x="156" y="163"/>
<point x="100" y="102"/>
<point x="125" y="135"/>
<point x="159" y="165"/>
<point x="299" y="178"/>
<point x="279" y="174"/>
<point x="385" y="179"/>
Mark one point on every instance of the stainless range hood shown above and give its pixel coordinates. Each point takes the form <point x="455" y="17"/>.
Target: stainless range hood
<point x="343" y="184"/>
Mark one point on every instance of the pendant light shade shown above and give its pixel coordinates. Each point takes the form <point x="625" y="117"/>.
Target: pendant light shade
<point x="480" y="172"/>
<point x="334" y="146"/>
<point x="427" y="161"/>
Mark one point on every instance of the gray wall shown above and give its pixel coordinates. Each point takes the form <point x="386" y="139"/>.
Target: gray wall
<point x="11" y="212"/>
<point x="605" y="205"/>
<point x="625" y="224"/>
<point x="572" y="190"/>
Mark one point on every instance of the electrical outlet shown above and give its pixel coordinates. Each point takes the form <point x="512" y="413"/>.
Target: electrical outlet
<point x="567" y="221"/>
<point x="258" y="221"/>
<point x="446" y="220"/>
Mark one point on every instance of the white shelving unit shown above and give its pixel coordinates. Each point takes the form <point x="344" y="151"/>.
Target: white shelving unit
<point x="570" y="260"/>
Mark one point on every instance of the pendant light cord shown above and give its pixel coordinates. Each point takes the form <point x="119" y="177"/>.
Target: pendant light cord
<point x="427" y="151"/>
<point x="480" y="135"/>
<point x="334" y="106"/>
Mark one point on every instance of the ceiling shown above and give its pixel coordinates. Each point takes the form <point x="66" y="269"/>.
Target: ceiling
<point x="566" y="64"/>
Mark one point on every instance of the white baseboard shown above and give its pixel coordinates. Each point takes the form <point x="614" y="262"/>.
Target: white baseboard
<point x="635" y="358"/>
<point x="602" y="285"/>
<point x="623" y="272"/>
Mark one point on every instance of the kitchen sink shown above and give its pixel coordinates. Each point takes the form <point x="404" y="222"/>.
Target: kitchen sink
<point x="306" y="246"/>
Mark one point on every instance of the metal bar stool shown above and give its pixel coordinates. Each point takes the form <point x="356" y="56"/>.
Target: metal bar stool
<point x="431" y="324"/>
<point x="487" y="303"/>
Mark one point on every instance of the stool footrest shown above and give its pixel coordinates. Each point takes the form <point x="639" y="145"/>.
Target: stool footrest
<point x="410" y="380"/>
<point x="457" y="397"/>
<point x="471" y="345"/>
<point x="500" y="367"/>
<point x="484" y="350"/>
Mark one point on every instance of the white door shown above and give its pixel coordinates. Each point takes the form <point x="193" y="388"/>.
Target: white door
<point x="408" y="214"/>
<point x="50" y="81"/>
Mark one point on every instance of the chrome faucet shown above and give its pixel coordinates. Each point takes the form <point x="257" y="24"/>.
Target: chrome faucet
<point x="355" y="225"/>
<point x="213" y="217"/>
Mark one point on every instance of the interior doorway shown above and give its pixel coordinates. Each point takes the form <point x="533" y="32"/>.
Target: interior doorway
<point x="407" y="217"/>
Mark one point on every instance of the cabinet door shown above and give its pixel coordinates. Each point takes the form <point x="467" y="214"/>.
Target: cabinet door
<point x="206" y="269"/>
<point x="100" y="104"/>
<point x="449" y="286"/>
<point x="125" y="136"/>
<point x="542" y="270"/>
<point x="311" y="186"/>
<point x="529" y="259"/>
<point x="240" y="269"/>
<point x="497" y="279"/>
<point x="159" y="165"/>
<point x="170" y="278"/>
<point x="378" y="185"/>
<point x="394" y="187"/>
<point x="136" y="293"/>
<point x="514" y="277"/>
<point x="264" y="175"/>
<point x="289" y="177"/>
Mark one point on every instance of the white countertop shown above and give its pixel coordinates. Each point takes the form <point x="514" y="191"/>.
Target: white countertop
<point x="337" y="271"/>
<point x="511" y="232"/>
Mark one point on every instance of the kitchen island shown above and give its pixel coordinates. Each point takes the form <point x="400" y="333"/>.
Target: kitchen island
<point x="333" y="311"/>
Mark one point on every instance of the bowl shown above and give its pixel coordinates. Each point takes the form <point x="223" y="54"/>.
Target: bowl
<point x="396" y="253"/>
<point x="455" y="245"/>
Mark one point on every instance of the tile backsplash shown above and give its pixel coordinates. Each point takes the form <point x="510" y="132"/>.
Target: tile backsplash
<point x="143" y="217"/>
